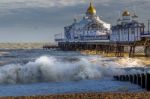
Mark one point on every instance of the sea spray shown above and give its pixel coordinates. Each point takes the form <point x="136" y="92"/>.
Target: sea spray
<point x="52" y="69"/>
<point x="130" y="62"/>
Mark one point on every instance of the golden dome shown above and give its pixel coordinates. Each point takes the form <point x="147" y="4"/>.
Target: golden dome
<point x="91" y="10"/>
<point x="126" y="13"/>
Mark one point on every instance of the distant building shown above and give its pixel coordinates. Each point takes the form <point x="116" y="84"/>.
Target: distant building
<point x="90" y="28"/>
<point x="128" y="28"/>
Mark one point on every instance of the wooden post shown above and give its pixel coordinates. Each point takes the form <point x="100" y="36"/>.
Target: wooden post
<point x="135" y="79"/>
<point x="147" y="81"/>
<point x="132" y="51"/>
<point x="139" y="79"/>
<point x="117" y="51"/>
<point x="127" y="77"/>
<point x="121" y="77"/>
<point x="124" y="78"/>
<point x="131" y="78"/>
<point x="148" y="26"/>
<point x="116" y="77"/>
<point x="143" y="80"/>
<point x="147" y="50"/>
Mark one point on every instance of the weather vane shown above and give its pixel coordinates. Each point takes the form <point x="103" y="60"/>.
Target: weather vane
<point x="92" y="1"/>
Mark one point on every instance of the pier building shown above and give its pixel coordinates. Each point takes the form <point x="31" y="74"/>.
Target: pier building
<point x="92" y="33"/>
<point x="128" y="28"/>
<point x="89" y="28"/>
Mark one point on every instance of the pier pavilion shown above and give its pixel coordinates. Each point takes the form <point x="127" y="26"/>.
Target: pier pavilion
<point x="92" y="33"/>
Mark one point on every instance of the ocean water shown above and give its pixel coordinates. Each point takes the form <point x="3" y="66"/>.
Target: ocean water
<point x="44" y="72"/>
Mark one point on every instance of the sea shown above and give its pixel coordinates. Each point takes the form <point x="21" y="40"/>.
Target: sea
<point x="26" y="72"/>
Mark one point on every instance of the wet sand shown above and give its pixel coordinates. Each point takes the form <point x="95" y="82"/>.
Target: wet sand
<point x="88" y="96"/>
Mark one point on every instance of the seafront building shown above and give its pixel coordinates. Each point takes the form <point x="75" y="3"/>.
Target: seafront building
<point x="128" y="28"/>
<point x="92" y="33"/>
<point x="90" y="29"/>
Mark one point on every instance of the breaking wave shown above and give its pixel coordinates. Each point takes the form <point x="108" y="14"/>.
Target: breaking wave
<point x="51" y="69"/>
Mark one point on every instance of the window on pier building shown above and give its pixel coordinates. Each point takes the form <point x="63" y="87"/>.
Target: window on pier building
<point x="132" y="30"/>
<point x="142" y="30"/>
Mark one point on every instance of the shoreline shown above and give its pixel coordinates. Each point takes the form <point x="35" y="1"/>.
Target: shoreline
<point x="96" y="95"/>
<point x="23" y="45"/>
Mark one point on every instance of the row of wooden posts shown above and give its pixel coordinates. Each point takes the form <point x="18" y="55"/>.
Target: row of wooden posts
<point x="118" y="49"/>
<point x="142" y="80"/>
<point x="106" y="47"/>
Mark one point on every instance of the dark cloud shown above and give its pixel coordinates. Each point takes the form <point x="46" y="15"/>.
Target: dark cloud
<point x="40" y="23"/>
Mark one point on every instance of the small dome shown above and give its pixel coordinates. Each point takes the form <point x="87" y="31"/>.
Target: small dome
<point x="119" y="20"/>
<point x="126" y="13"/>
<point x="91" y="10"/>
<point x="134" y="16"/>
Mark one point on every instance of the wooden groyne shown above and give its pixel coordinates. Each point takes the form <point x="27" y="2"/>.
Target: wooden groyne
<point x="143" y="79"/>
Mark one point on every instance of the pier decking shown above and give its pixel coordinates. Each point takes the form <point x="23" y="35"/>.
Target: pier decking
<point x="107" y="47"/>
<point x="46" y="47"/>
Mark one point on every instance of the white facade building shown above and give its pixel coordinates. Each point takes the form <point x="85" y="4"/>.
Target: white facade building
<point x="91" y="27"/>
<point x="128" y="29"/>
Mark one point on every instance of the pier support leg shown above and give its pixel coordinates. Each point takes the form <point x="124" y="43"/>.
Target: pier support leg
<point x="132" y="51"/>
<point x="119" y="51"/>
<point x="147" y="51"/>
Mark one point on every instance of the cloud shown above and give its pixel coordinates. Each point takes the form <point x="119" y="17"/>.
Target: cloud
<point x="38" y="3"/>
<point x="6" y="6"/>
<point x="53" y="12"/>
<point x="51" y="3"/>
<point x="14" y="4"/>
<point x="48" y="17"/>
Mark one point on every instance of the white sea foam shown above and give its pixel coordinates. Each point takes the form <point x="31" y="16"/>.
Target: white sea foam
<point x="50" y="69"/>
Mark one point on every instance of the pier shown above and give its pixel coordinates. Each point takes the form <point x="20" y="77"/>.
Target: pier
<point x="117" y="48"/>
<point x="93" y="34"/>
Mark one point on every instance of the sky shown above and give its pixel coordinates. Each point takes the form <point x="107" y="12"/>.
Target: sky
<point x="40" y="20"/>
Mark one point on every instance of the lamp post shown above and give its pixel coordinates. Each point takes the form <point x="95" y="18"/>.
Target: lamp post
<point x="148" y="27"/>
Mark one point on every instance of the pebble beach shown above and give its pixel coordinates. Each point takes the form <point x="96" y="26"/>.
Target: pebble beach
<point x="88" y="96"/>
